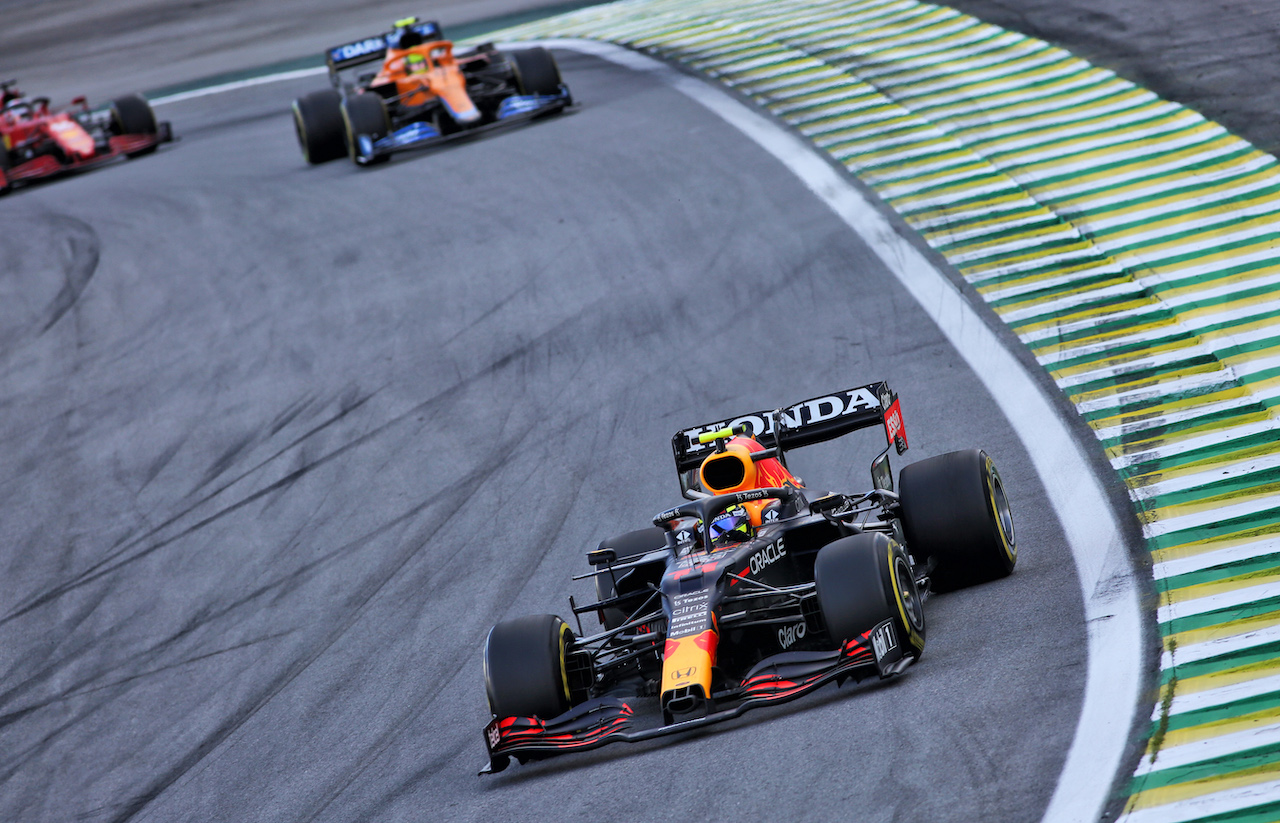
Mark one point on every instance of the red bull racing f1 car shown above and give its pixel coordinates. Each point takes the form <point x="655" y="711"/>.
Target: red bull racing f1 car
<point x="756" y="591"/>
<point x="408" y="89"/>
<point x="40" y="142"/>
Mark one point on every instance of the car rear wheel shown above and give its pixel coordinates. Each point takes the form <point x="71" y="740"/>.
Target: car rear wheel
<point x="525" y="667"/>
<point x="317" y="119"/>
<point x="536" y="71"/>
<point x="365" y="116"/>
<point x="954" y="510"/>
<point x="864" y="580"/>
<point x="133" y="115"/>
<point x="631" y="544"/>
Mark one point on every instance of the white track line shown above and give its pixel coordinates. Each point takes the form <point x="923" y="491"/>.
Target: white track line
<point x="1197" y="808"/>
<point x="1221" y="696"/>
<point x="1217" y="602"/>
<point x="1220" y="646"/>
<point x="239" y="84"/>
<point x="1107" y="580"/>
<point x="1210" y="748"/>
<point x="1219" y="557"/>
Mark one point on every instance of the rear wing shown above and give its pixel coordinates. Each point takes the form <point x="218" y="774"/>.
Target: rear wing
<point x="375" y="47"/>
<point x="802" y="424"/>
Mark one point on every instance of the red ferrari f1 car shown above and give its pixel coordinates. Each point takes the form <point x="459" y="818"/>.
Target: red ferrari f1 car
<point x="40" y="142"/>
<point x="756" y="591"/>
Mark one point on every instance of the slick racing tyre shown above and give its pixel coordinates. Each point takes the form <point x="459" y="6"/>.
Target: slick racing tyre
<point x="631" y="544"/>
<point x="5" y="185"/>
<point x="365" y="115"/>
<point x="954" y="510"/>
<point x="133" y="115"/>
<point x="536" y="71"/>
<point x="525" y="667"/>
<point x="864" y="580"/>
<point x="317" y="118"/>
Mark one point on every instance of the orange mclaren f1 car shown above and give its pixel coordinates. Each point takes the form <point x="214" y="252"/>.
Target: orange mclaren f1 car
<point x="41" y="142"/>
<point x="756" y="591"/>
<point x="408" y="89"/>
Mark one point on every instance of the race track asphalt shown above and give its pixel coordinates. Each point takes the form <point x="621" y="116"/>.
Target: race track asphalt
<point x="281" y="443"/>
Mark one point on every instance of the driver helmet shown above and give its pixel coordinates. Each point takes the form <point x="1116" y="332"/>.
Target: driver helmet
<point x="414" y="63"/>
<point x="409" y="36"/>
<point x="730" y="527"/>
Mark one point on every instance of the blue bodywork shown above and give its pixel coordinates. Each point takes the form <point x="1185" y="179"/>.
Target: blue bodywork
<point x="512" y="109"/>
<point x="525" y="103"/>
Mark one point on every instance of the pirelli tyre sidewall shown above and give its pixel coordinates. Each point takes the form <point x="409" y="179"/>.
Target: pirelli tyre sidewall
<point x="365" y="115"/>
<point x="864" y="580"/>
<point x="317" y="120"/>
<point x="627" y="546"/>
<point x="955" y="511"/>
<point x="536" y="71"/>
<point x="132" y="115"/>
<point x="525" y="667"/>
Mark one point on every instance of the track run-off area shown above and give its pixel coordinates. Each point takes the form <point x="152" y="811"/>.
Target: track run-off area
<point x="1131" y="245"/>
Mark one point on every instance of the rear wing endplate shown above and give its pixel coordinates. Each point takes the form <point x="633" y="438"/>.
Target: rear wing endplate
<point x="802" y="424"/>
<point x="375" y="47"/>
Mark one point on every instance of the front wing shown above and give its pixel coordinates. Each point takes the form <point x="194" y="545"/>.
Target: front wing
<point x="775" y="679"/>
<point x="515" y="109"/>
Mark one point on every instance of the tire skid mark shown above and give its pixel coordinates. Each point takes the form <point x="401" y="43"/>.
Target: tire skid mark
<point x="227" y="727"/>
<point x="454" y="499"/>
<point x="283" y="584"/>
<point x="47" y="667"/>
<point x="124" y="544"/>
<point x="166" y="457"/>
<point x="86" y="687"/>
<point x="345" y="408"/>
<point x="113" y="562"/>
<point x="83" y="251"/>
<point x="444" y="757"/>
<point x="65" y="249"/>
<point x="143" y="657"/>
<point x="451" y="500"/>
<point x="546" y="543"/>
<point x="291" y="412"/>
<point x="463" y="490"/>
<point x="186" y="661"/>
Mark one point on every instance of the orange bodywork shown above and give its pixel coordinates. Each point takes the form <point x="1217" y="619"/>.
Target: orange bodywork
<point x="687" y="661"/>
<point x="425" y="72"/>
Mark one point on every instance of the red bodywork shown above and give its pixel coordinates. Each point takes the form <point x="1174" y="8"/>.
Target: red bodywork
<point x="41" y="142"/>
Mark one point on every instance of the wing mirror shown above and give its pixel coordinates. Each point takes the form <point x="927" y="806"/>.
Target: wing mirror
<point x="881" y="474"/>
<point x="601" y="557"/>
